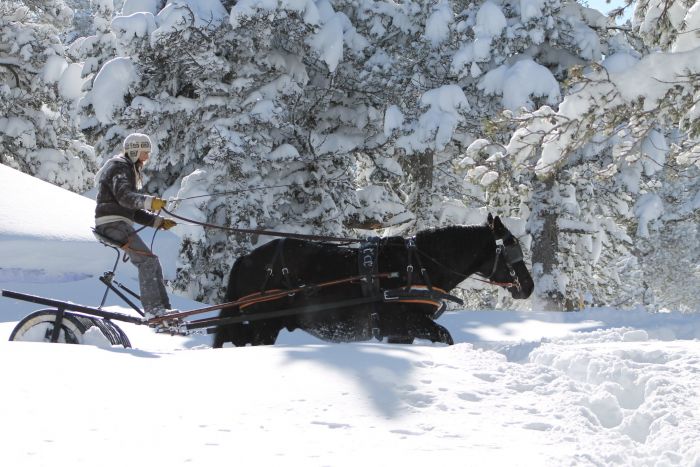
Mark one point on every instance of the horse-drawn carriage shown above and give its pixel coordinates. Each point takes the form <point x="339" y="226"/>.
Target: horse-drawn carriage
<point x="389" y="289"/>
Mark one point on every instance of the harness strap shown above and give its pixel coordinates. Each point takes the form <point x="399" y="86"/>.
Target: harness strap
<point x="499" y="249"/>
<point x="283" y="263"/>
<point x="368" y="267"/>
<point x="270" y="268"/>
<point x="413" y="252"/>
<point x="410" y="249"/>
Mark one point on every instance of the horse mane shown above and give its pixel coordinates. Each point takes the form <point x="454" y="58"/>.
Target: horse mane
<point x="458" y="247"/>
<point x="469" y="234"/>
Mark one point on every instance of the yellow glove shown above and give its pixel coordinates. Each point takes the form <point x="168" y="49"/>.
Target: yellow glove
<point x="167" y="224"/>
<point x="157" y="204"/>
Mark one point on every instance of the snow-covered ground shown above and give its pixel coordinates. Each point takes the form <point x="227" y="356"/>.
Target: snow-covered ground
<point x="600" y="387"/>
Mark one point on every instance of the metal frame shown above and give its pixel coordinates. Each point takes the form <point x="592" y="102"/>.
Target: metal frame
<point x="62" y="307"/>
<point x="108" y="280"/>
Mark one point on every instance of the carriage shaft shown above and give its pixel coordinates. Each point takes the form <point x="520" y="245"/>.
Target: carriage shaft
<point x="61" y="305"/>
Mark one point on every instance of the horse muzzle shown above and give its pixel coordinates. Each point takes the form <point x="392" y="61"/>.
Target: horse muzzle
<point x="525" y="281"/>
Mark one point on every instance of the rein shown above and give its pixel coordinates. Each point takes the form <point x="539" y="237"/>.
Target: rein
<point x="457" y="273"/>
<point x="266" y="232"/>
<point x="334" y="239"/>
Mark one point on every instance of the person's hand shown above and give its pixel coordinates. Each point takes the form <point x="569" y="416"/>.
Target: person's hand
<point x="157" y="204"/>
<point x="167" y="224"/>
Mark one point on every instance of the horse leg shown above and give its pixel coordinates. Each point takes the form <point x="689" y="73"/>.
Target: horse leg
<point x="442" y="335"/>
<point x="219" y="340"/>
<point x="399" y="340"/>
<point x="237" y="334"/>
<point x="426" y="328"/>
<point x="265" y="333"/>
<point x="394" y="326"/>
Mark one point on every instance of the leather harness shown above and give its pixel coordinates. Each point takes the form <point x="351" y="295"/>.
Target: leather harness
<point x="368" y="272"/>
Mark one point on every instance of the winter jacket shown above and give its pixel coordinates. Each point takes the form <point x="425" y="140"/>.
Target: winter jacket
<point x="119" y="197"/>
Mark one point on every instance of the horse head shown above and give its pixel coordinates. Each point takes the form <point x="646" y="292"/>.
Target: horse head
<point x="508" y="265"/>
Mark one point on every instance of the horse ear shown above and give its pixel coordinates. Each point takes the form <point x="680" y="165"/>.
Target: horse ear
<point x="498" y="226"/>
<point x="489" y="220"/>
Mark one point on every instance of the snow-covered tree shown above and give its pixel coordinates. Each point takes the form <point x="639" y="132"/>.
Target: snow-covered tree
<point x="39" y="89"/>
<point x="322" y="116"/>
<point x="248" y="104"/>
<point x="623" y="123"/>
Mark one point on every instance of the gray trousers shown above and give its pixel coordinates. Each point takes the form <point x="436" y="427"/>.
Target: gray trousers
<point x="154" y="297"/>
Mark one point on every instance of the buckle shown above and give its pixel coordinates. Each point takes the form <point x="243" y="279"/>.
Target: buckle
<point x="388" y="298"/>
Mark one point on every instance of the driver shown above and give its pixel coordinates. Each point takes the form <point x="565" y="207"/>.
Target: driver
<point x="120" y="203"/>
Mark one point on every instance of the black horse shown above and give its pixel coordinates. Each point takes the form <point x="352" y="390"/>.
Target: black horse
<point x="440" y="258"/>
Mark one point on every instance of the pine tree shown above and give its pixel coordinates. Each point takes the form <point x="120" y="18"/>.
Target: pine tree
<point x="38" y="91"/>
<point x="620" y="123"/>
<point x="249" y="106"/>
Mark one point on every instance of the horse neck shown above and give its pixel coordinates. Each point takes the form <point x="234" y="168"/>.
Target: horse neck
<point x="457" y="249"/>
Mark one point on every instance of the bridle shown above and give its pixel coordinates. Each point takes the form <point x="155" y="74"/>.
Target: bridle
<point x="509" y="254"/>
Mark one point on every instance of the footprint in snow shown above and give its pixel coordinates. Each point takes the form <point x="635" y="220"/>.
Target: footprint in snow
<point x="332" y="425"/>
<point x="487" y="377"/>
<point x="539" y="426"/>
<point x="469" y="396"/>
<point x="419" y="400"/>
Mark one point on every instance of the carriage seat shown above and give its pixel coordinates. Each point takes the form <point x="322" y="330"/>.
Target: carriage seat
<point x="106" y="241"/>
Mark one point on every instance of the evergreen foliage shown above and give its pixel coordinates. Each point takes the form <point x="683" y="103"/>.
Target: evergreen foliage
<point x="39" y="131"/>
<point x="338" y="117"/>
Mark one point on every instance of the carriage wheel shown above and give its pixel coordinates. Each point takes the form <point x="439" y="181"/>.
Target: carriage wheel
<point x="39" y="327"/>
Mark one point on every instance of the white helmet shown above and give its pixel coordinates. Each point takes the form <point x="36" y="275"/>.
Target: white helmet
<point x="134" y="143"/>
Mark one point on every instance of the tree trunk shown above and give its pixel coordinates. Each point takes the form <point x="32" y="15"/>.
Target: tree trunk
<point x="545" y="246"/>
<point x="419" y="167"/>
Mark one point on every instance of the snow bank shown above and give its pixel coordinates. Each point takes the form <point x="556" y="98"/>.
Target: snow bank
<point x="598" y="387"/>
<point x="46" y="233"/>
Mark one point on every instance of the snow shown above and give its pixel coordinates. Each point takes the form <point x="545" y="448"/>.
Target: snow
<point x="179" y="14"/>
<point x="437" y="27"/>
<point x="436" y="126"/>
<point x="619" y="61"/>
<point x="647" y="209"/>
<point x="654" y="148"/>
<point x="490" y="20"/>
<point x="688" y="39"/>
<point x="70" y="83"/>
<point x="328" y="41"/>
<point x="393" y="119"/>
<point x="655" y="74"/>
<point x="53" y="68"/>
<point x="248" y="8"/>
<point x="597" y="387"/>
<point x="138" y="24"/>
<point x="111" y="86"/>
<point x="135" y="6"/>
<point x="531" y="9"/>
<point x="517" y="82"/>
